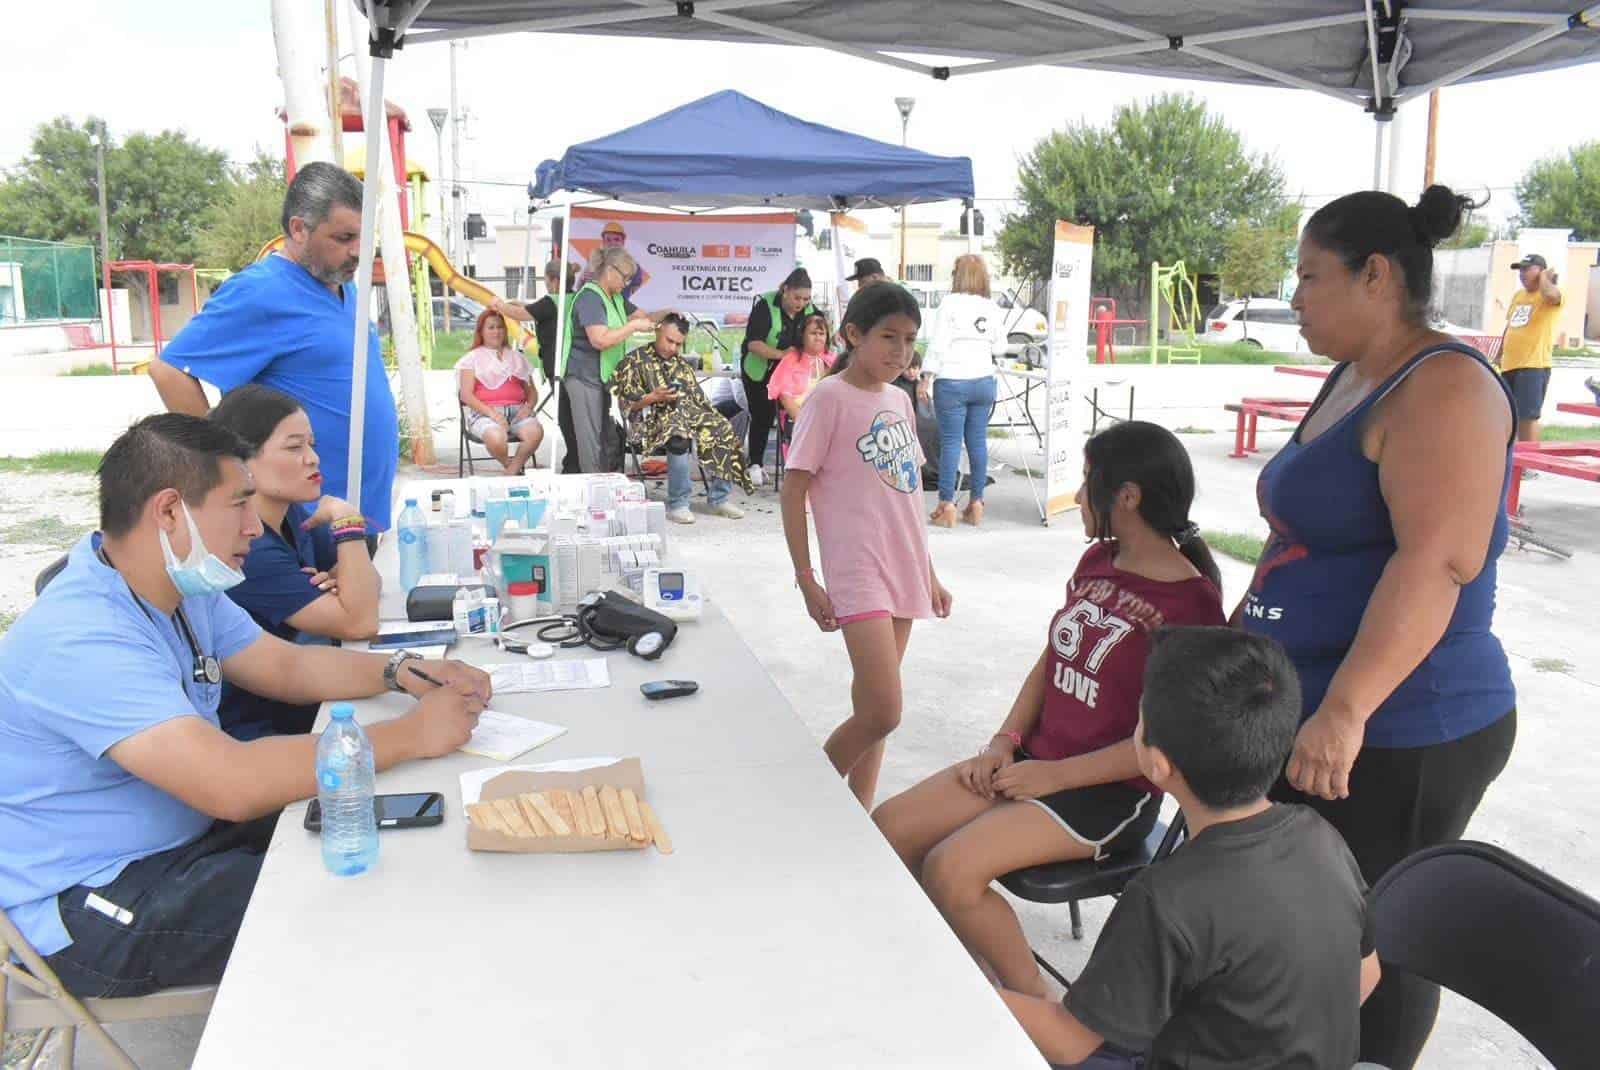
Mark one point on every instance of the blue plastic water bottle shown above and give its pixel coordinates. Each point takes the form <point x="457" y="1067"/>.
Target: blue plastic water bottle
<point x="413" y="527"/>
<point x="346" y="784"/>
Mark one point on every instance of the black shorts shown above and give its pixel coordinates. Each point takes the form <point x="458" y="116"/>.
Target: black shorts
<point x="1528" y="386"/>
<point x="1111" y="818"/>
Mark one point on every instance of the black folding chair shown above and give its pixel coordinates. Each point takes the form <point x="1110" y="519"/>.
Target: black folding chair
<point x="1070" y="882"/>
<point x="1513" y="939"/>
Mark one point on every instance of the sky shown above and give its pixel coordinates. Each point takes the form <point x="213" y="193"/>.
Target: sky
<point x="209" y="69"/>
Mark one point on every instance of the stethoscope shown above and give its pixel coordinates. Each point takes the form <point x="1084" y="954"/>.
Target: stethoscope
<point x="205" y="669"/>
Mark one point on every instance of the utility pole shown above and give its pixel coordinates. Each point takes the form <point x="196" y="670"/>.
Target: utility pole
<point x="1433" y="139"/>
<point x="437" y="117"/>
<point x="105" y="226"/>
<point x="335" y="110"/>
<point x="905" y="104"/>
<point x="455" y="163"/>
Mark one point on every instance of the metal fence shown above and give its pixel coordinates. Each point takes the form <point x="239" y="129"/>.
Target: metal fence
<point x="41" y="281"/>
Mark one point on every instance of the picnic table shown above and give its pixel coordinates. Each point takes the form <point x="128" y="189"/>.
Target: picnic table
<point x="1576" y="460"/>
<point x="1309" y="370"/>
<point x="1579" y="408"/>
<point x="783" y="931"/>
<point x="1250" y="411"/>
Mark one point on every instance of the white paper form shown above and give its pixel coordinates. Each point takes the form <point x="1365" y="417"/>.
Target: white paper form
<point x="503" y="736"/>
<point x="473" y="780"/>
<point x="510" y="678"/>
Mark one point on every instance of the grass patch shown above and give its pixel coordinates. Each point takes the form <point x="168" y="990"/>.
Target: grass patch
<point x="999" y="432"/>
<point x="49" y="531"/>
<point x="1568" y="433"/>
<point x="92" y="369"/>
<point x="73" y="462"/>
<point x="1232" y="353"/>
<point x="1572" y="351"/>
<point x="7" y="619"/>
<point x="1246" y="548"/>
<point x="449" y="348"/>
<point x="1551" y="665"/>
<point x="1192" y="431"/>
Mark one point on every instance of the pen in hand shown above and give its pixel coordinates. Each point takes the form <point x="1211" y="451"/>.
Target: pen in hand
<point x="425" y="676"/>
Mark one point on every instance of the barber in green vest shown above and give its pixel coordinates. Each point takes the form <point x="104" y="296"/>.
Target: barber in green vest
<point x="602" y="322"/>
<point x="771" y="332"/>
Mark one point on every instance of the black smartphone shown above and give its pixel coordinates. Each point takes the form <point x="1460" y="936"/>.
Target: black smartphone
<point x="657" y="690"/>
<point x="394" y="811"/>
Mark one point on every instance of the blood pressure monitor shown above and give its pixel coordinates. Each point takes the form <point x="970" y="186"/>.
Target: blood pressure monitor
<point x="673" y="593"/>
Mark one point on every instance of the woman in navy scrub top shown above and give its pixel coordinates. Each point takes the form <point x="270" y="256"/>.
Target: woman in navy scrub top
<point x="309" y="576"/>
<point x="1387" y="520"/>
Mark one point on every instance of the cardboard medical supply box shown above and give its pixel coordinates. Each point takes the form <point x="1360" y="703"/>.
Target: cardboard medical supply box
<point x="626" y="773"/>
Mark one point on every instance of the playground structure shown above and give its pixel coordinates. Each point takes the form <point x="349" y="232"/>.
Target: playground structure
<point x="151" y="272"/>
<point x="1103" y="319"/>
<point x="1172" y="287"/>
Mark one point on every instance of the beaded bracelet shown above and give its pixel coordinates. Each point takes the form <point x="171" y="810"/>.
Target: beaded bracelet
<point x="354" y="520"/>
<point x="348" y="535"/>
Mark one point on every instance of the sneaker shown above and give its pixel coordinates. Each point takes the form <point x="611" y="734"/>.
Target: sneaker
<point x="1594" y="388"/>
<point x="757" y="476"/>
<point x="680" y="516"/>
<point x="727" y="509"/>
<point x="1528" y="473"/>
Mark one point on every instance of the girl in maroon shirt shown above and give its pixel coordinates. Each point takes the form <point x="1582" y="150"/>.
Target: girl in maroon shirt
<point x="1059" y="781"/>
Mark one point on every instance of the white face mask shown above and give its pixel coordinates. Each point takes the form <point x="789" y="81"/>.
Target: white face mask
<point x="202" y="572"/>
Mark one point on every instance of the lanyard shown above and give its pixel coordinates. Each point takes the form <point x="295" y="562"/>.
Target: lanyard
<point x="205" y="668"/>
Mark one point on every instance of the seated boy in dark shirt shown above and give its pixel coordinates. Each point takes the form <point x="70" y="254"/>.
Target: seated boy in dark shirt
<point x="1248" y="947"/>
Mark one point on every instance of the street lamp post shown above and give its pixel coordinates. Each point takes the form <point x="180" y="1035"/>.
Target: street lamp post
<point x="904" y="104"/>
<point x="437" y="116"/>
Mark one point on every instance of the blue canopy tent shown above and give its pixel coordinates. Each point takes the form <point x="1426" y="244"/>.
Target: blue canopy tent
<point x="727" y="150"/>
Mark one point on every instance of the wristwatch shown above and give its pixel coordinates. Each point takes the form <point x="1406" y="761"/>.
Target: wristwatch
<point x="391" y="671"/>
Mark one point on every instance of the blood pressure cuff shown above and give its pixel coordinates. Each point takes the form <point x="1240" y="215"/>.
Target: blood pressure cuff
<point x="612" y="618"/>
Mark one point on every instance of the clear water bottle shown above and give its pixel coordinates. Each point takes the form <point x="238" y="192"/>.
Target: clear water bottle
<point x="346" y="784"/>
<point x="413" y="527"/>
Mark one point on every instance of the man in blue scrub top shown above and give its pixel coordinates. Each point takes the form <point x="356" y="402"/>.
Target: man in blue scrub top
<point x="288" y="322"/>
<point x="131" y="828"/>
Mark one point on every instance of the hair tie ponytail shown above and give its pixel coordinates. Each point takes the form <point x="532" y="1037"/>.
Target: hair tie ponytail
<point x="1187" y="534"/>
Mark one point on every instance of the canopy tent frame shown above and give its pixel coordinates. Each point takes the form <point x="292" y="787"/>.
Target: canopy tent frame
<point x="1384" y="22"/>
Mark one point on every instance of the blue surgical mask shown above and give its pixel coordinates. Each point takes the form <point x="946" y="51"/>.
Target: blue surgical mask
<point x="202" y="572"/>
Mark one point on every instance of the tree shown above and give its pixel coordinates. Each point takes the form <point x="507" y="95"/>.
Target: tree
<point x="1256" y="257"/>
<point x="1564" y="192"/>
<point x="246" y="217"/>
<point x="1471" y="234"/>
<point x="157" y="188"/>
<point x="1164" y="181"/>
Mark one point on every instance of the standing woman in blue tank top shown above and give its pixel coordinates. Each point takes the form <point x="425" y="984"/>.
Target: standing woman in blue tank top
<point x="1387" y="520"/>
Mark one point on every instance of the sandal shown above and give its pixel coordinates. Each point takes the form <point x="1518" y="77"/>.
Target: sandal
<point x="973" y="513"/>
<point x="944" y="516"/>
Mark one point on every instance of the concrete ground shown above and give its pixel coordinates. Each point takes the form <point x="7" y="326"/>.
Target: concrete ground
<point x="961" y="674"/>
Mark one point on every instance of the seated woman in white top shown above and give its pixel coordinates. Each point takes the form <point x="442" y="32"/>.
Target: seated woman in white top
<point x="968" y="333"/>
<point x="497" y="395"/>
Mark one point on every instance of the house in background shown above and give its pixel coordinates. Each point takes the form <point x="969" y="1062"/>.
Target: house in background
<point x="1473" y="287"/>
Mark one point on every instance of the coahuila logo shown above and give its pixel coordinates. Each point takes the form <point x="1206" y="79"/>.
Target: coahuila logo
<point x="890" y="446"/>
<point x="671" y="252"/>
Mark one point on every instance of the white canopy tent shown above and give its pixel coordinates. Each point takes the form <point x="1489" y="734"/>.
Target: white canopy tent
<point x="1375" y="54"/>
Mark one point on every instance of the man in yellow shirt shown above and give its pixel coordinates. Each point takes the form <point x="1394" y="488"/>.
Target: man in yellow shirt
<point x="1529" y="337"/>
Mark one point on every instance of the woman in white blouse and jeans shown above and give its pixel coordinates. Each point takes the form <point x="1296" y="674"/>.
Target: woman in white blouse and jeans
<point x="968" y="333"/>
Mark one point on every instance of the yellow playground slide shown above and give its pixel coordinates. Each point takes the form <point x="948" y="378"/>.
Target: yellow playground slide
<point x="425" y="247"/>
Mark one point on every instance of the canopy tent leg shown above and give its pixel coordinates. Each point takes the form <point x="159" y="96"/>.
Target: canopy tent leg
<point x="1396" y="142"/>
<point x="1377" y="154"/>
<point x="376" y="129"/>
<point x="557" y="448"/>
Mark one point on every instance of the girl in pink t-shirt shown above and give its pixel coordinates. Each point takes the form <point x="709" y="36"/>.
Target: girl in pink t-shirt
<point x="855" y="454"/>
<point x="800" y="370"/>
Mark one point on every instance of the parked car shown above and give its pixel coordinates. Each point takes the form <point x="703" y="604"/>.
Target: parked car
<point x="1024" y="324"/>
<point x="464" y="312"/>
<point x="1267" y="324"/>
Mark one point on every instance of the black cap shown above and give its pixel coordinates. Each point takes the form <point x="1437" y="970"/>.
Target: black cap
<point x="1531" y="260"/>
<point x="868" y="266"/>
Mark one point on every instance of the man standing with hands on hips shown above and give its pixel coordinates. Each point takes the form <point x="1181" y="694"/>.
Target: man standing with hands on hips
<point x="1527" y="343"/>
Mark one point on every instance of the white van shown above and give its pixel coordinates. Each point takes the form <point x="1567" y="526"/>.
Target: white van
<point x="1268" y="324"/>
